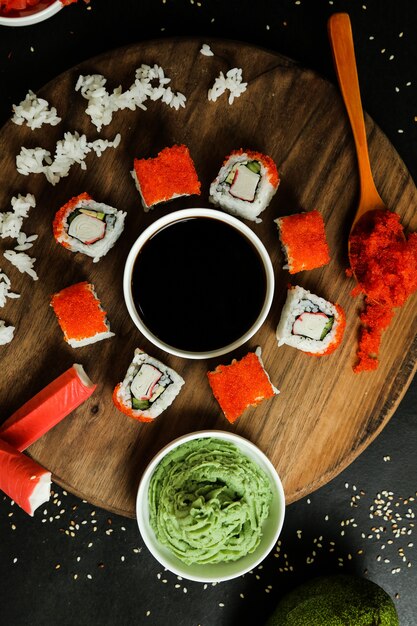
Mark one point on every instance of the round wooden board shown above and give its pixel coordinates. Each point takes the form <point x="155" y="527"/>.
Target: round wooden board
<point x="325" y="415"/>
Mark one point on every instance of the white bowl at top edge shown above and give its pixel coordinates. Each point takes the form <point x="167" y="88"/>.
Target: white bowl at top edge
<point x="215" y="572"/>
<point x="33" y="16"/>
<point x="180" y="215"/>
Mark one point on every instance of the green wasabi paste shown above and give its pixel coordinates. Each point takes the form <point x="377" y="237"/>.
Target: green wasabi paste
<point x="208" y="501"/>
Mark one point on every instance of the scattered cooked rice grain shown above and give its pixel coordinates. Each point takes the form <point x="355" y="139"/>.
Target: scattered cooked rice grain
<point x="34" y="112"/>
<point x="73" y="148"/>
<point x="150" y="83"/>
<point x="5" y="292"/>
<point x="24" y="242"/>
<point x="206" y="50"/>
<point x="6" y="333"/>
<point x="232" y="81"/>
<point x="22" y="204"/>
<point x="11" y="221"/>
<point x="23" y="262"/>
<point x="10" y="225"/>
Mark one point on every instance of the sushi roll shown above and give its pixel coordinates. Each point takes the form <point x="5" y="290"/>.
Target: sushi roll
<point x="80" y="315"/>
<point x="245" y="184"/>
<point x="171" y="174"/>
<point x="241" y="384"/>
<point x="86" y="226"/>
<point x="310" y="323"/>
<point x="303" y="240"/>
<point x="148" y="388"/>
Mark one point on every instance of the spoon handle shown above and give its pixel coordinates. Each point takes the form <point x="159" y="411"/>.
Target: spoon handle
<point x="341" y="40"/>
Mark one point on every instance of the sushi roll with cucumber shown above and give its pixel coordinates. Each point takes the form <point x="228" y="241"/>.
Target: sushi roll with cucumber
<point x="84" y="225"/>
<point x="245" y="184"/>
<point x="310" y="323"/>
<point x="148" y="388"/>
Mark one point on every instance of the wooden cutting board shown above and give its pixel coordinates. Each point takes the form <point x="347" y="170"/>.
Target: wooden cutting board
<point x="325" y="415"/>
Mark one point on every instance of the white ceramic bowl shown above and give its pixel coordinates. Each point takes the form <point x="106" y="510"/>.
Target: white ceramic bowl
<point x="181" y="215"/>
<point x="32" y="15"/>
<point x="216" y="572"/>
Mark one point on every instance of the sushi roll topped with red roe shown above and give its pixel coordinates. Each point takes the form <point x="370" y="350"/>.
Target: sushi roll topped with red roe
<point x="169" y="175"/>
<point x="303" y="240"/>
<point x="241" y="384"/>
<point x="80" y="315"/>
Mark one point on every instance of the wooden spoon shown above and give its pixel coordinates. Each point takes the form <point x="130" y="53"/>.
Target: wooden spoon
<point x="340" y="35"/>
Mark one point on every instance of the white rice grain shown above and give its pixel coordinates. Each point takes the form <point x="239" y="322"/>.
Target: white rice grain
<point x="206" y="50"/>
<point x="231" y="82"/>
<point x="22" y="261"/>
<point x="11" y="221"/>
<point x="34" y="112"/>
<point x="6" y="333"/>
<point x="5" y="292"/>
<point x="150" y="84"/>
<point x="73" y="148"/>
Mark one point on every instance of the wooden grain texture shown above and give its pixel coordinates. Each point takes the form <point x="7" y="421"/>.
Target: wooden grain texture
<point x="325" y="415"/>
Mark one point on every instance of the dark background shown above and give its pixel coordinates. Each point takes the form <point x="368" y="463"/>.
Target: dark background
<point x="75" y="564"/>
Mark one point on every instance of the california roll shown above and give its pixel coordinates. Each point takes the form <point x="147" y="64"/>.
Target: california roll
<point x="310" y="323"/>
<point x="245" y="184"/>
<point x="148" y="388"/>
<point x="86" y="226"/>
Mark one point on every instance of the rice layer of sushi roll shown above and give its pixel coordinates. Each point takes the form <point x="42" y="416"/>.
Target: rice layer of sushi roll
<point x="245" y="184"/>
<point x="84" y="225"/>
<point x="241" y="384"/>
<point x="169" y="175"/>
<point x="310" y="323"/>
<point x="303" y="241"/>
<point x="80" y="315"/>
<point x="148" y="388"/>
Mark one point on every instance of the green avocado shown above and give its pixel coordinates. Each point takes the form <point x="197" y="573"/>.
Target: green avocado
<point x="340" y="600"/>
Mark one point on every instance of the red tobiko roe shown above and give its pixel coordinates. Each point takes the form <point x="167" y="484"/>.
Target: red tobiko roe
<point x="384" y="262"/>
<point x="385" y="265"/>
<point x="8" y="6"/>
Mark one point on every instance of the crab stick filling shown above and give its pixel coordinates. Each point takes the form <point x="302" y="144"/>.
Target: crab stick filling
<point x="87" y="226"/>
<point x="145" y="388"/>
<point x="312" y="325"/>
<point x="245" y="183"/>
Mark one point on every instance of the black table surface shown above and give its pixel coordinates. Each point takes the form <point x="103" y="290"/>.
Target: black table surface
<point x="76" y="564"/>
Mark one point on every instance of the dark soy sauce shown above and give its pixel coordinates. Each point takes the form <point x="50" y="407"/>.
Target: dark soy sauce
<point x="198" y="284"/>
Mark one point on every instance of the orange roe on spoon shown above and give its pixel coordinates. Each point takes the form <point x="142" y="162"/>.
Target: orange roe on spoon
<point x="385" y="266"/>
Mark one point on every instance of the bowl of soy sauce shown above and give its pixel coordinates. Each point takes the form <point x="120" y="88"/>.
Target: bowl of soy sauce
<point x="198" y="283"/>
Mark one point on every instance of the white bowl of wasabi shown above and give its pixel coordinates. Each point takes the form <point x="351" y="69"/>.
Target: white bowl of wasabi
<point x="210" y="506"/>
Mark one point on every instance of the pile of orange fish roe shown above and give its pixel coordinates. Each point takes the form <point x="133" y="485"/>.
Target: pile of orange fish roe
<point x="385" y="265"/>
